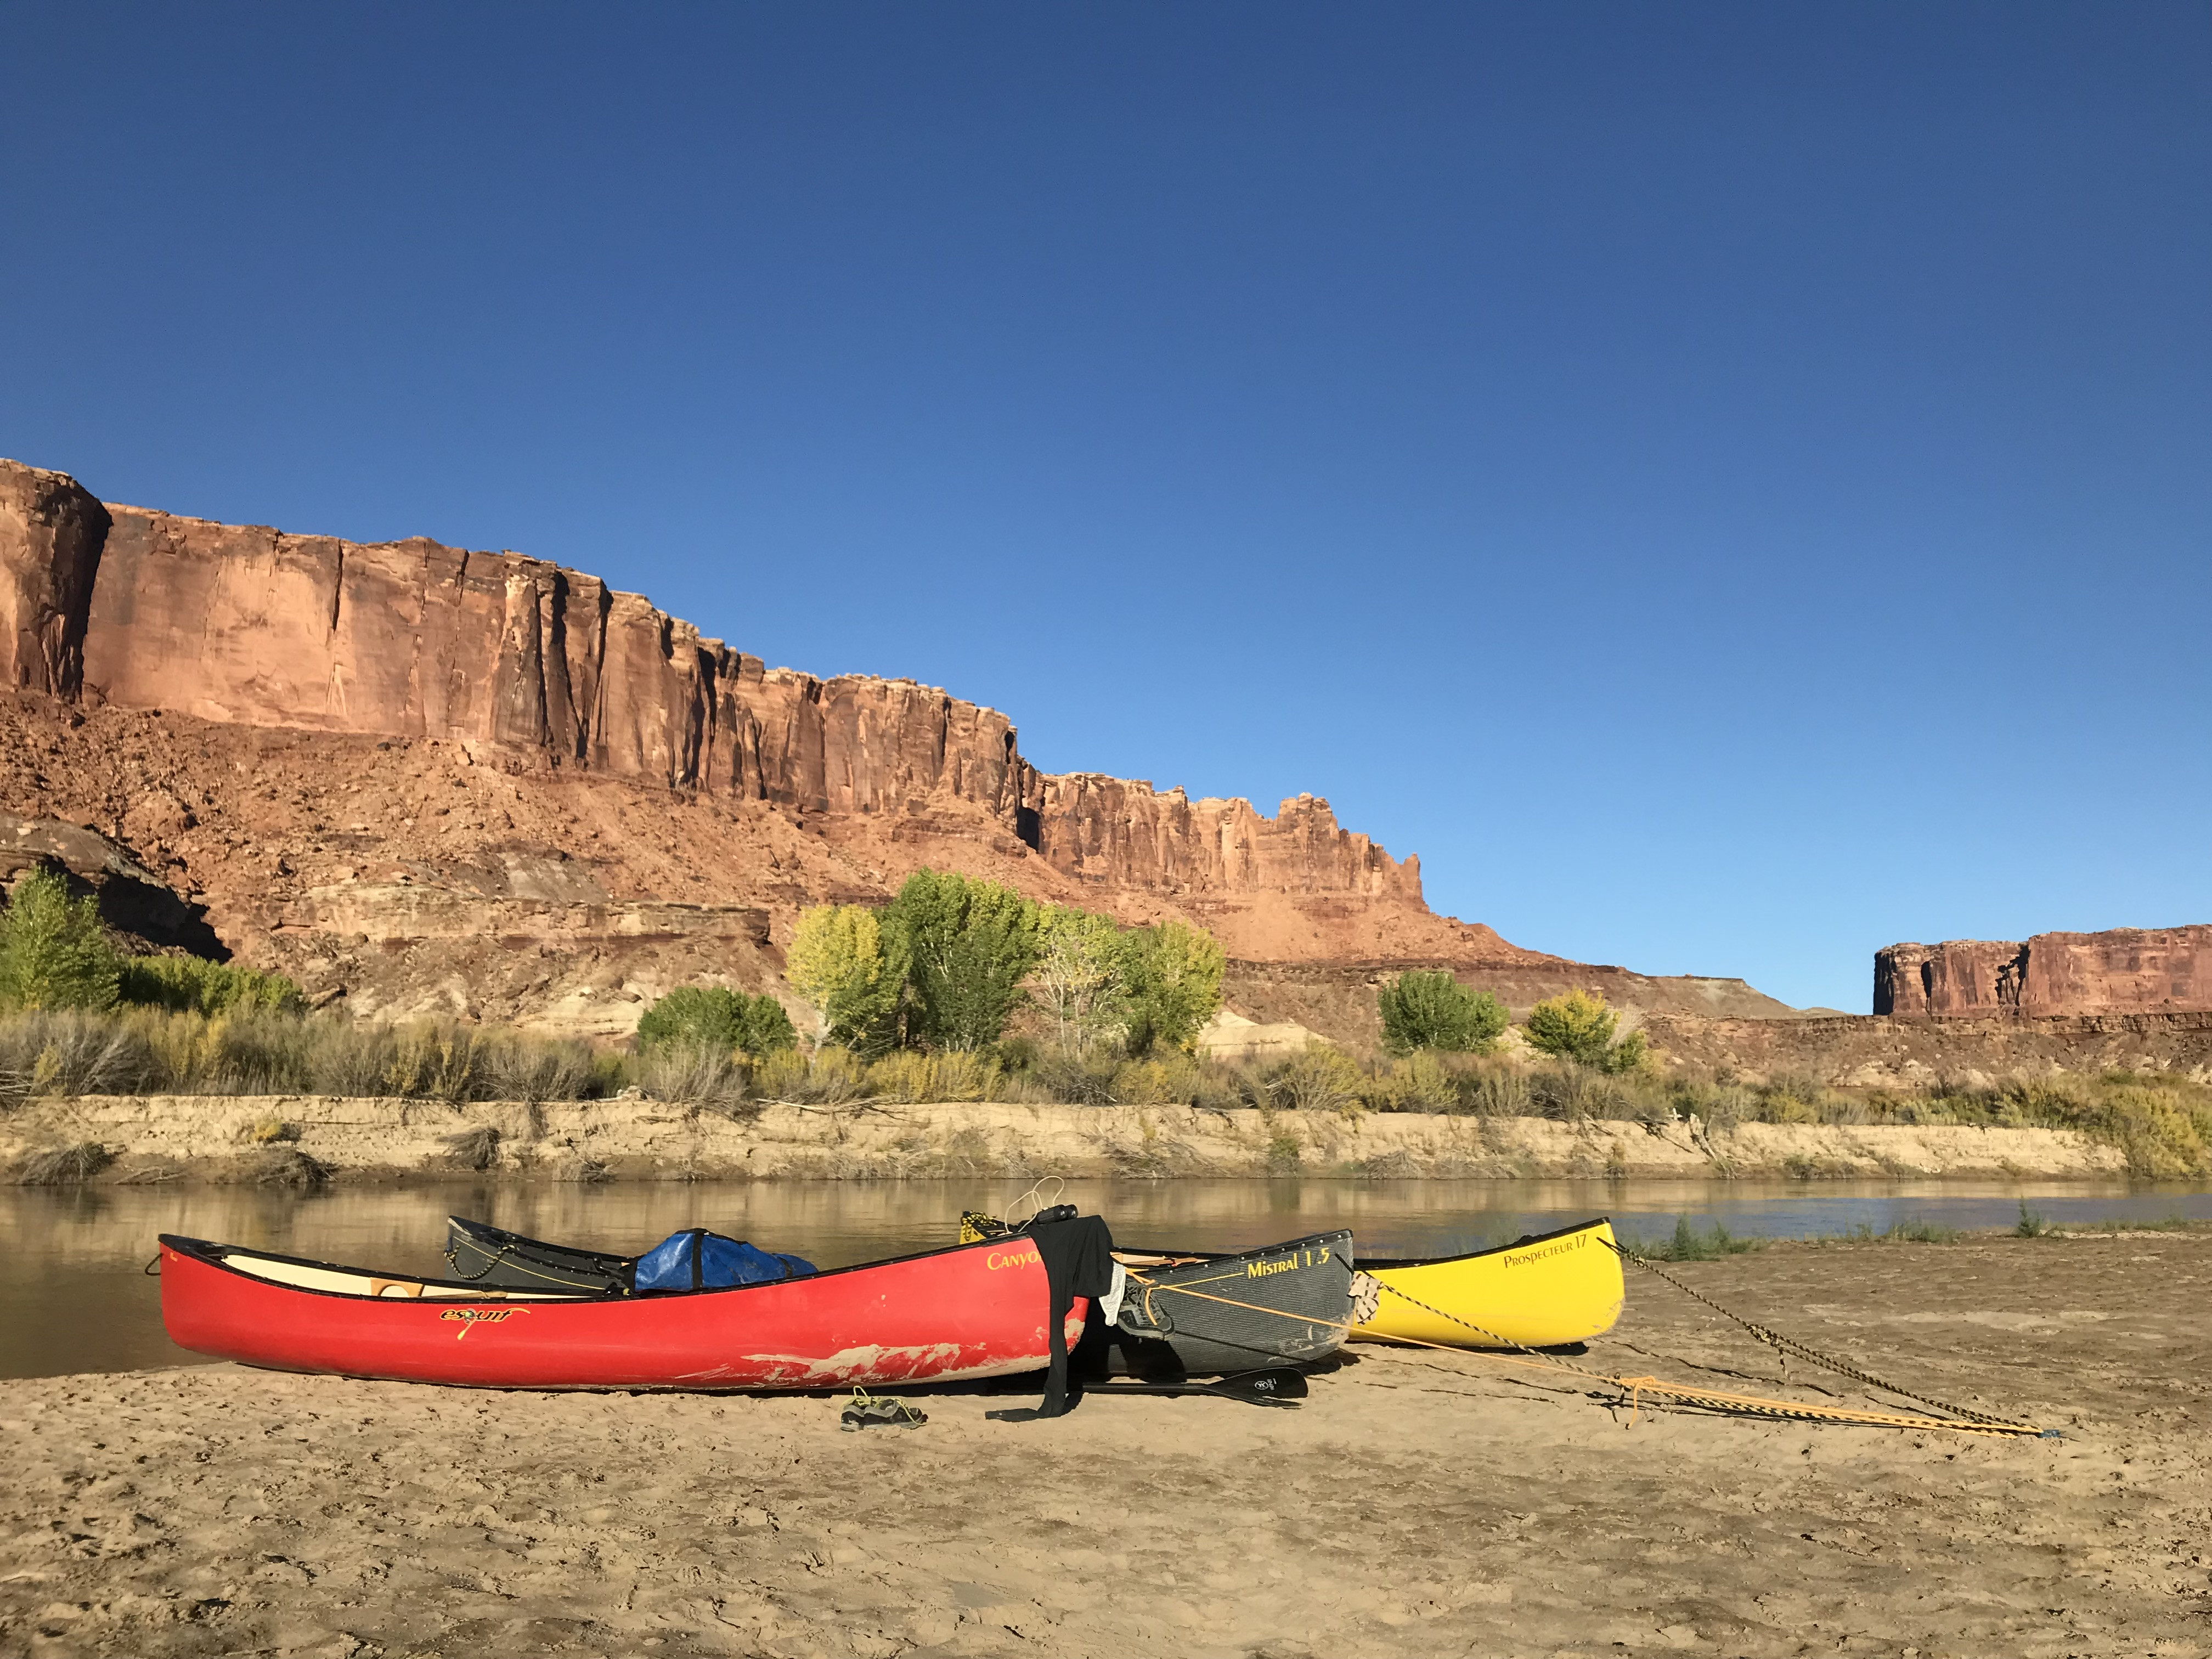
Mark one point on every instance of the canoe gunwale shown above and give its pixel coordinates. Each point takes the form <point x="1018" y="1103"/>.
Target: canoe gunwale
<point x="213" y="1255"/>
<point x="1376" y="1263"/>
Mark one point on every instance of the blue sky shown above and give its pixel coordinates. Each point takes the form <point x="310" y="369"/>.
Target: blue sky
<point x="1729" y="486"/>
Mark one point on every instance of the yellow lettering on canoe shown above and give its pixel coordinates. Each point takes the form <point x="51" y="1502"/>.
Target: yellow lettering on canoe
<point x="1525" y="1258"/>
<point x="1261" y="1269"/>
<point x="1028" y="1258"/>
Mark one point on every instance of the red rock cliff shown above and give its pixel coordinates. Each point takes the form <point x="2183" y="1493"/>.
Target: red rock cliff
<point x="1128" y="834"/>
<point x="247" y="625"/>
<point x="250" y="625"/>
<point x="2126" y="970"/>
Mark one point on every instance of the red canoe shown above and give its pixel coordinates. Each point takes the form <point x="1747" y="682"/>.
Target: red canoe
<point x="973" y="1310"/>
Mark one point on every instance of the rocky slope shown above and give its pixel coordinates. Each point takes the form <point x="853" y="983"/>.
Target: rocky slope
<point x="426" y="779"/>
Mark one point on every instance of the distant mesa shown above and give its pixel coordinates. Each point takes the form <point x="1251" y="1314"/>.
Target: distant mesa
<point x="2126" y="970"/>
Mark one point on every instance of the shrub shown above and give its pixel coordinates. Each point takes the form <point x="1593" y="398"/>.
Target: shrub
<point x="841" y="962"/>
<point x="351" y="1058"/>
<point x="54" y="953"/>
<point x="439" y="1060"/>
<point x="908" y="1077"/>
<point x="962" y="1075"/>
<point x="967" y="945"/>
<point x="473" y="1149"/>
<point x="66" y="1166"/>
<point x="256" y="1054"/>
<point x="1435" y="1010"/>
<point x="1076" y="1079"/>
<point x="692" y="1074"/>
<point x="827" y="1077"/>
<point x="1322" y="1079"/>
<point x="1418" y="1084"/>
<point x="2161" y="1131"/>
<point x="1174" y="976"/>
<point x="903" y="1077"/>
<point x="1163" y="1080"/>
<point x="72" y="1051"/>
<point x="533" y="1069"/>
<point x="288" y="1166"/>
<point x="1496" y="1090"/>
<point x="715" y="1016"/>
<point x="1578" y="1026"/>
<point x="195" y="985"/>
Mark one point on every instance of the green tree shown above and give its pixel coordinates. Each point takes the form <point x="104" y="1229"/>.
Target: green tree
<point x="1081" y="980"/>
<point x="1174" y="976"/>
<point x="714" y="1016"/>
<point x="53" y="951"/>
<point x="1579" y="1026"/>
<point x="841" y="964"/>
<point x="1435" y="1010"/>
<point x="967" y="947"/>
<point x="767" y="1028"/>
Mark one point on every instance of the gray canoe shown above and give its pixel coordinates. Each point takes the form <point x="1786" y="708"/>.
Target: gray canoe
<point x="1195" y="1314"/>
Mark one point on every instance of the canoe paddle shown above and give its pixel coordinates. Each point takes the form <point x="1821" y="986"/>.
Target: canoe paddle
<point x="1277" y="1385"/>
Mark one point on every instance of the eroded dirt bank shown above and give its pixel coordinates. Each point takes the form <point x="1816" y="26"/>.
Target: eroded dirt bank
<point x="1417" y="1504"/>
<point x="154" y="1138"/>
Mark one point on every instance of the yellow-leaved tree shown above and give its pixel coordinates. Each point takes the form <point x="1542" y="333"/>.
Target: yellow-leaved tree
<point x="839" y="960"/>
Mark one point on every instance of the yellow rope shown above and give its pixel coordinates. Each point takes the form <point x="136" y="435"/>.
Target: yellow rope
<point x="1633" y="1387"/>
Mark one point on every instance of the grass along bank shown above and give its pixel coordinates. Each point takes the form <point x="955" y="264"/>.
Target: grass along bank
<point x="1689" y="1242"/>
<point x="2157" y="1126"/>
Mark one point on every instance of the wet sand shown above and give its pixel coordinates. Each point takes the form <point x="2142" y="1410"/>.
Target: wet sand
<point x="1418" y="1503"/>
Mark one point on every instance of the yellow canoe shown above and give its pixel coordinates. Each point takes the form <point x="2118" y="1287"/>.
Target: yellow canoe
<point x="1541" y="1293"/>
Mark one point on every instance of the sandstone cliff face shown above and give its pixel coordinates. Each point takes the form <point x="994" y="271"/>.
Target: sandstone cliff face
<point x="2125" y="970"/>
<point x="1122" y="834"/>
<point x="251" y="626"/>
<point x="246" y="624"/>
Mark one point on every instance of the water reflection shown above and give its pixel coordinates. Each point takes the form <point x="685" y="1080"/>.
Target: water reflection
<point x="76" y="1300"/>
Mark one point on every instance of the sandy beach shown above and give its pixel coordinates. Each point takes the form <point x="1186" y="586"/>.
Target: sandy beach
<point x="1418" y="1504"/>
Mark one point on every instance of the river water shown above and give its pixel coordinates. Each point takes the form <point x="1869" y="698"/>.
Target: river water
<point x="74" y="1298"/>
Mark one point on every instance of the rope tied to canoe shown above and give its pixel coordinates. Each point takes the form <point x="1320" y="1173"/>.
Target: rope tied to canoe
<point x="1788" y="1345"/>
<point x="1633" y="1388"/>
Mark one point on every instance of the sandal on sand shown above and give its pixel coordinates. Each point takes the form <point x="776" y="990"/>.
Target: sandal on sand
<point x="865" y="1411"/>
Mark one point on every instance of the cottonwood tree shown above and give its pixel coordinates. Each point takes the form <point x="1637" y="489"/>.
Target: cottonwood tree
<point x="1174" y="976"/>
<point x="967" y="947"/>
<point x="1081" y="980"/>
<point x="54" y="953"/>
<point x="841" y="962"/>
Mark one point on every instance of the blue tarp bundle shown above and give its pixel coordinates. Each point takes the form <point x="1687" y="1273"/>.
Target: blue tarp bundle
<point x="696" y="1258"/>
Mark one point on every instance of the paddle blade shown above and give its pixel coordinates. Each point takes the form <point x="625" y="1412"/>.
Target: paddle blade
<point x="1275" y="1382"/>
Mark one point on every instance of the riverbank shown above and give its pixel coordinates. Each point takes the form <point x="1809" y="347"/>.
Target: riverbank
<point x="1418" y="1504"/>
<point x="290" y="1139"/>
